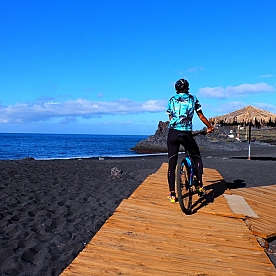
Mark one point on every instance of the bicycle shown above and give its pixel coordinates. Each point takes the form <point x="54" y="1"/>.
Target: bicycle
<point x="187" y="179"/>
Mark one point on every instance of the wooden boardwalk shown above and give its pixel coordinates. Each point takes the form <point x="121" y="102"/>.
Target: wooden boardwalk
<point x="262" y="200"/>
<point x="147" y="235"/>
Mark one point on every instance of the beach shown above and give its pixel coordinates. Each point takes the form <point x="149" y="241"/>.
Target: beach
<point x="51" y="209"/>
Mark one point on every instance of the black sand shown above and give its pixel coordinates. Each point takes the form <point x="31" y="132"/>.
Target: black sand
<point x="49" y="210"/>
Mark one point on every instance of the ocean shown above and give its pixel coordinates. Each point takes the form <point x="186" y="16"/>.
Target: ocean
<point x="15" y="146"/>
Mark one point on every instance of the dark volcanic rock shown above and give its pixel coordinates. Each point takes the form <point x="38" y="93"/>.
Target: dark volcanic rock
<point x="218" y="140"/>
<point x="156" y="143"/>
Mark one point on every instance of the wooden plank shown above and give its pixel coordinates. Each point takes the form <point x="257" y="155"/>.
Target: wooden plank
<point x="147" y="235"/>
<point x="262" y="200"/>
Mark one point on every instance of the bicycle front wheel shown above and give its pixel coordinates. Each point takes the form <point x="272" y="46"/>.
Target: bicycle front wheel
<point x="184" y="189"/>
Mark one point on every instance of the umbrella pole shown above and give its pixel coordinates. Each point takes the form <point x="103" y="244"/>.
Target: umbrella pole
<point x="249" y="141"/>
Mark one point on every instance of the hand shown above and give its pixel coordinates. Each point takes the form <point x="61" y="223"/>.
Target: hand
<point x="210" y="129"/>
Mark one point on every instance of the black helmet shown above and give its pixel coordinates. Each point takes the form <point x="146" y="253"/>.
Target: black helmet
<point x="181" y="85"/>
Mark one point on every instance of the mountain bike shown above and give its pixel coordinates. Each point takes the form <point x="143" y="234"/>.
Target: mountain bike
<point x="187" y="179"/>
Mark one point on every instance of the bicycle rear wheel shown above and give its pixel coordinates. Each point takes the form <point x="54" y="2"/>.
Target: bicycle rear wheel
<point x="184" y="189"/>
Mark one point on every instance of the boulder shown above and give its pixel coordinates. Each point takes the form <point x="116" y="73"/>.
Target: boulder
<point x="156" y="143"/>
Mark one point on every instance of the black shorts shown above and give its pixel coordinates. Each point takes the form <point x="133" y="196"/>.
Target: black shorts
<point x="188" y="142"/>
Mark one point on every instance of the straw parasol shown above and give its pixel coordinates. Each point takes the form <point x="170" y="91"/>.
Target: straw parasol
<point x="248" y="116"/>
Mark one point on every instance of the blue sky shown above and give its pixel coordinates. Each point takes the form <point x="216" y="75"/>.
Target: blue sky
<point x="109" y="67"/>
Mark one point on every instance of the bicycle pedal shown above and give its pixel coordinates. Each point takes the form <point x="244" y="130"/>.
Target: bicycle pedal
<point x="200" y="191"/>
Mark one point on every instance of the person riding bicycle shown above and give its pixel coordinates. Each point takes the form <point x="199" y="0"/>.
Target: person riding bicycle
<point x="181" y="108"/>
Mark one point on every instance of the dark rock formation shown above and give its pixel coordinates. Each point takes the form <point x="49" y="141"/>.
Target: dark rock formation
<point x="156" y="143"/>
<point x="219" y="140"/>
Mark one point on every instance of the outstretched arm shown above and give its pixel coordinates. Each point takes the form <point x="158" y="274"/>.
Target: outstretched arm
<point x="205" y="121"/>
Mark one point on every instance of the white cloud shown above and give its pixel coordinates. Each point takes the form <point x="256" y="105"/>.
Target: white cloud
<point x="195" y="69"/>
<point x="190" y="71"/>
<point x="68" y="111"/>
<point x="265" y="106"/>
<point x="225" y="108"/>
<point x="154" y="106"/>
<point x="68" y="120"/>
<point x="235" y="91"/>
<point x="266" y="76"/>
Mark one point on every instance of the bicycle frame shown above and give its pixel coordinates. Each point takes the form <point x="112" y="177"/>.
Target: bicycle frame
<point x="190" y="162"/>
<point x="191" y="168"/>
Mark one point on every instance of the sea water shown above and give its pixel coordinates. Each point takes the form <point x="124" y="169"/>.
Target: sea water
<point x="14" y="146"/>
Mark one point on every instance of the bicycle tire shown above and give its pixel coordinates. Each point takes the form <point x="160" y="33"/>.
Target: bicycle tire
<point x="184" y="189"/>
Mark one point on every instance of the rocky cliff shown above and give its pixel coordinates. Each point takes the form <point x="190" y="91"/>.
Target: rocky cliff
<point x="219" y="140"/>
<point x="156" y="143"/>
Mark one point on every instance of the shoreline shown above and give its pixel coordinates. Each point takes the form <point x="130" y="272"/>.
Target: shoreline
<point x="218" y="149"/>
<point x="205" y="145"/>
<point x="100" y="157"/>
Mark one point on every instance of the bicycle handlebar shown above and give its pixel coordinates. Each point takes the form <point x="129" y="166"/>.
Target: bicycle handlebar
<point x="201" y="132"/>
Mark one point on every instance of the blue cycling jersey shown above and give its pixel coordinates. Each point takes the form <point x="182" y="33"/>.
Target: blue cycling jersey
<point x="181" y="108"/>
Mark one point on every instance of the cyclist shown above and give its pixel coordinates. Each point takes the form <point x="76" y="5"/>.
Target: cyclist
<point x="181" y="109"/>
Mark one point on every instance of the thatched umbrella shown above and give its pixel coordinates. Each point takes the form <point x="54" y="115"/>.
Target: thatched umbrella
<point x="248" y="116"/>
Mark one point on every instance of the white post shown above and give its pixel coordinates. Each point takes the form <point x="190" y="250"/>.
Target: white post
<point x="249" y="139"/>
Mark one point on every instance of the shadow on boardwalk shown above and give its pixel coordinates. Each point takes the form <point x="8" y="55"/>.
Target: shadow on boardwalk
<point x="213" y="191"/>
